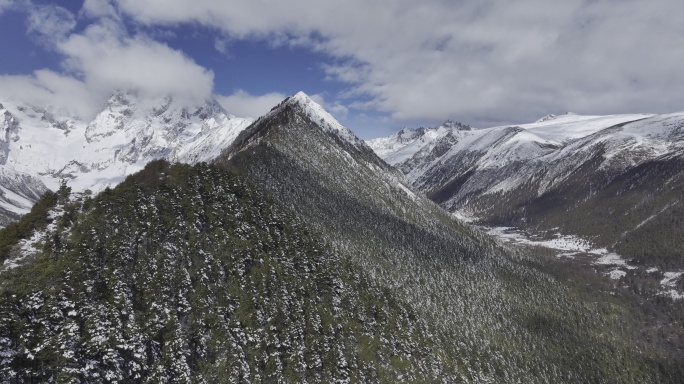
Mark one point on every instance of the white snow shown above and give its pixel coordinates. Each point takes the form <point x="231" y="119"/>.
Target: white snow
<point x="407" y="191"/>
<point x="669" y="278"/>
<point x="560" y="242"/>
<point x="608" y="258"/>
<point x="553" y="148"/>
<point x="28" y="247"/>
<point x="616" y="274"/>
<point x="93" y="154"/>
<point x="404" y="144"/>
<point x="319" y="115"/>
<point x="569" y="247"/>
<point x="673" y="294"/>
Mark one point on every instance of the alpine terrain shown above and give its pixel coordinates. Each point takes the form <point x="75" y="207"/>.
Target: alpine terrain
<point x="602" y="190"/>
<point x="41" y="146"/>
<point x="295" y="255"/>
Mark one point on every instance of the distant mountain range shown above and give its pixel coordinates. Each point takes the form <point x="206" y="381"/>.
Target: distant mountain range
<point x="41" y="146"/>
<point x="297" y="255"/>
<point x="615" y="180"/>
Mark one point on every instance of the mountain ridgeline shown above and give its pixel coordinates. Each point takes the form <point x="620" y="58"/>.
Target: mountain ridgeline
<point x="495" y="317"/>
<point x="615" y="180"/>
<point x="41" y="146"/>
<point x="297" y="256"/>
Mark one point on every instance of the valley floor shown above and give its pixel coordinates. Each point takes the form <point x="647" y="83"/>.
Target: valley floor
<point x="651" y="294"/>
<point x="582" y="252"/>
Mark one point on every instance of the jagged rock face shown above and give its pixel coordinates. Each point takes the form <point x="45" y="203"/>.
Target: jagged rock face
<point x="50" y="145"/>
<point x="8" y="131"/>
<point x="401" y="146"/>
<point x="18" y="192"/>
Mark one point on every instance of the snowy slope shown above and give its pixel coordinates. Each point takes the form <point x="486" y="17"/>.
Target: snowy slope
<point x="440" y="154"/>
<point x="51" y="146"/>
<point x="403" y="145"/>
<point x="18" y="192"/>
<point x="615" y="179"/>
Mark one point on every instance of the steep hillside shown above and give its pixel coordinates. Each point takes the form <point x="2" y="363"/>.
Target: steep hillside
<point x="18" y="193"/>
<point x="496" y="317"/>
<point x="185" y="274"/>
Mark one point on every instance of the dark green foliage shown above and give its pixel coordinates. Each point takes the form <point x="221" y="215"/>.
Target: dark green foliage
<point x="497" y="317"/>
<point x="36" y="219"/>
<point x="638" y="213"/>
<point x="189" y="274"/>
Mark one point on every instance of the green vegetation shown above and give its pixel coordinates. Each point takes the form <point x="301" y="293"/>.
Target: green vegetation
<point x="35" y="220"/>
<point x="300" y="257"/>
<point x="190" y="274"/>
<point x="638" y="213"/>
<point x="497" y="316"/>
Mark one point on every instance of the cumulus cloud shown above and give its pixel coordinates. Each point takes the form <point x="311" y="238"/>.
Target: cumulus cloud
<point x="101" y="59"/>
<point x="98" y="8"/>
<point x="484" y="62"/>
<point x="108" y="59"/>
<point x="46" y="87"/>
<point x="242" y="104"/>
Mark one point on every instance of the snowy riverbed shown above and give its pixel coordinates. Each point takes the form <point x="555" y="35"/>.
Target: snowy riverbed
<point x="572" y="247"/>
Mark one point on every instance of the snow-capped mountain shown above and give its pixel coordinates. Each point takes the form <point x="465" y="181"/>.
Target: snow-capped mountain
<point x="297" y="256"/>
<point x="44" y="145"/>
<point x="404" y="144"/>
<point x="549" y="175"/>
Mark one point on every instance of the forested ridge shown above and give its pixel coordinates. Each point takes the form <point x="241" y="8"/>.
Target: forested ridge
<point x="191" y="274"/>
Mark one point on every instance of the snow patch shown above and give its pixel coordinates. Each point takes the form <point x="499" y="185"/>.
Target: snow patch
<point x="669" y="278"/>
<point x="674" y="295"/>
<point x="408" y="191"/>
<point x="616" y="274"/>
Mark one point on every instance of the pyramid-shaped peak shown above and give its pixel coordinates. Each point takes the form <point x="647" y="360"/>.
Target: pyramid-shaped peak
<point x="302" y="98"/>
<point x="316" y="113"/>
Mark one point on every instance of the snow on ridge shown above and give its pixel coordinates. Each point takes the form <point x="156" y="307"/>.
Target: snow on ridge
<point x="323" y="118"/>
<point x="406" y="143"/>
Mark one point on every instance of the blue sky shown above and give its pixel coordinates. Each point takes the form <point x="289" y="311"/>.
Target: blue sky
<point x="376" y="66"/>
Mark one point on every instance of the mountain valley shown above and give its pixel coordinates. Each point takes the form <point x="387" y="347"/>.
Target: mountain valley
<point x="300" y="255"/>
<point x="614" y="182"/>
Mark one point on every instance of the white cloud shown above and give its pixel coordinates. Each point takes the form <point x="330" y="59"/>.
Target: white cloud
<point x="46" y="87"/>
<point x="242" y="104"/>
<point x="108" y="59"/>
<point x="480" y="61"/>
<point x="4" y="5"/>
<point x="101" y="59"/>
<point x="98" y="8"/>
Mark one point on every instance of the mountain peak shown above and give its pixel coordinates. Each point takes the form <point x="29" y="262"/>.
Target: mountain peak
<point x="301" y="98"/>
<point x="551" y="116"/>
<point x="321" y="117"/>
<point x="548" y="117"/>
<point x="455" y="124"/>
